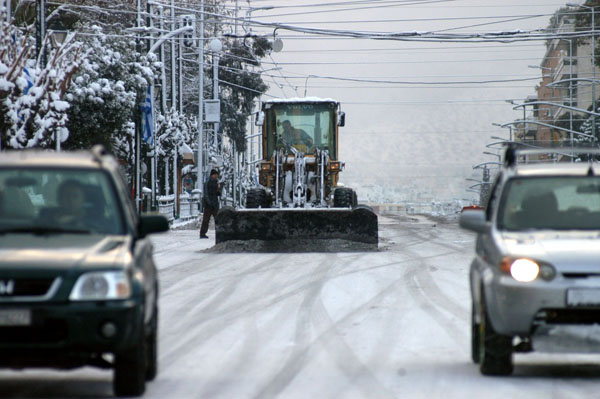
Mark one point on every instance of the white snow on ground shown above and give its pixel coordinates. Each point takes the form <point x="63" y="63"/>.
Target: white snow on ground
<point x="387" y="324"/>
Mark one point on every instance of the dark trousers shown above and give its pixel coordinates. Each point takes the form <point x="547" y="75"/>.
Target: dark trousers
<point x="208" y="212"/>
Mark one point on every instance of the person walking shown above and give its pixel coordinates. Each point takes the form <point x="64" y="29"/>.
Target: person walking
<point x="210" y="201"/>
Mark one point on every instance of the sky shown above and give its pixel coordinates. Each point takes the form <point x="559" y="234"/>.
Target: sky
<point x="413" y="142"/>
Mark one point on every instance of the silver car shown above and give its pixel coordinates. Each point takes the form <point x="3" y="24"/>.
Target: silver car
<point x="535" y="279"/>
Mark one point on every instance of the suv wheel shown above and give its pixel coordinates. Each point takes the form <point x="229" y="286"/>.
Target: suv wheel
<point x="129" y="377"/>
<point x="495" y="350"/>
<point x="475" y="328"/>
<point x="152" y="348"/>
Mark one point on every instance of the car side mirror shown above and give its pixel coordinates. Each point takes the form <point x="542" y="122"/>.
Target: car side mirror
<point x="152" y="223"/>
<point x="474" y="220"/>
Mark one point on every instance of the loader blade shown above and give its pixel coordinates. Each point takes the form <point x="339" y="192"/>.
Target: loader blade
<point x="358" y="224"/>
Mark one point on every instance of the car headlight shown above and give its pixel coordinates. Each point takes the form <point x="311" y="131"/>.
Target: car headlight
<point x="527" y="270"/>
<point x="95" y="286"/>
<point x="524" y="270"/>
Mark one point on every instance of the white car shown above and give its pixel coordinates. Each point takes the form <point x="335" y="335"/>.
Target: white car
<point x="535" y="279"/>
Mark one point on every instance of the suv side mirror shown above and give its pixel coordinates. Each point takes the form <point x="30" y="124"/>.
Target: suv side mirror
<point x="473" y="220"/>
<point x="152" y="224"/>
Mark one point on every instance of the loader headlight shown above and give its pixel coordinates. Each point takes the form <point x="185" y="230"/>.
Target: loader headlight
<point x="266" y="167"/>
<point x="107" y="285"/>
<point x="335" y="166"/>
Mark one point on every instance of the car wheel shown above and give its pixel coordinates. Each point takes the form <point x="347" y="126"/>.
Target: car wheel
<point x="152" y="348"/>
<point x="495" y="350"/>
<point x="129" y="377"/>
<point x="474" y="337"/>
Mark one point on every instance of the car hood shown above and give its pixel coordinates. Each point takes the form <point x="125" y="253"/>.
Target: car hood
<point x="62" y="251"/>
<point x="572" y="251"/>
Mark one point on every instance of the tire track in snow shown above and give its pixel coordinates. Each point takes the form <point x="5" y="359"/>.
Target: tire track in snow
<point x="312" y="314"/>
<point x="204" y="306"/>
<point x="427" y="298"/>
<point x="203" y="327"/>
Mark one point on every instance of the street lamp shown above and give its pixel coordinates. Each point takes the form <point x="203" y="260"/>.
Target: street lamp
<point x="216" y="47"/>
<point x="504" y="125"/>
<point x="484" y="164"/>
<point x="58" y="33"/>
<point x="539" y="67"/>
<point x="494" y="154"/>
<point x="306" y="82"/>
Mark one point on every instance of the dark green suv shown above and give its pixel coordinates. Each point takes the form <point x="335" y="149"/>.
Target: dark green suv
<point x="78" y="285"/>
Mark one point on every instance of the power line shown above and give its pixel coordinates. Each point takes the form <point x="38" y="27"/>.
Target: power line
<point x="371" y="21"/>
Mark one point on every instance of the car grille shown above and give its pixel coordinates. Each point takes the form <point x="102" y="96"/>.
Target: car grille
<point x="28" y="288"/>
<point x="580" y="275"/>
<point x="569" y="316"/>
<point x="51" y="331"/>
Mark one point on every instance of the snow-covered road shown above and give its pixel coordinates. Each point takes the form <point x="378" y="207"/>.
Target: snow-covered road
<point x="386" y="324"/>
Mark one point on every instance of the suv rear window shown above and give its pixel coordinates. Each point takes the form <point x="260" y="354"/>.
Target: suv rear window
<point x="556" y="203"/>
<point x="71" y="199"/>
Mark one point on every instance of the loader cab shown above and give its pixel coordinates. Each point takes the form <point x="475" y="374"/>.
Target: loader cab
<point x="304" y="125"/>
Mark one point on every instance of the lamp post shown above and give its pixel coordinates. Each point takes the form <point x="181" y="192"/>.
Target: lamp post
<point x="200" y="167"/>
<point x="496" y="155"/>
<point x="40" y="31"/>
<point x="58" y="35"/>
<point x="306" y="82"/>
<point x="216" y="47"/>
<point x="510" y="135"/>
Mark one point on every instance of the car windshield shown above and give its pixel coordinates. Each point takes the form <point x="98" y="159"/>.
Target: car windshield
<point x="555" y="203"/>
<point x="46" y="201"/>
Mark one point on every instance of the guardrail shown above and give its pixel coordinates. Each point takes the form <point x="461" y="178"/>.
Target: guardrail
<point x="188" y="206"/>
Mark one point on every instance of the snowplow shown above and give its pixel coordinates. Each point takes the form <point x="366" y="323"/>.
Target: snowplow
<point x="297" y="196"/>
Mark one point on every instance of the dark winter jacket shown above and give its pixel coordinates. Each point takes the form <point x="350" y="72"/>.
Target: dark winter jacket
<point x="211" y="193"/>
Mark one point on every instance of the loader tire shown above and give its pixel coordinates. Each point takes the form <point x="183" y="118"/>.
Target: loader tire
<point x="256" y="198"/>
<point x="344" y="197"/>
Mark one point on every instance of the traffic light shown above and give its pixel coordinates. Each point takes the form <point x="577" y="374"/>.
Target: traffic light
<point x="188" y="37"/>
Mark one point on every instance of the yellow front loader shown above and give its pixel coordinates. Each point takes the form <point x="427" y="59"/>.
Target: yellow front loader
<point x="298" y="195"/>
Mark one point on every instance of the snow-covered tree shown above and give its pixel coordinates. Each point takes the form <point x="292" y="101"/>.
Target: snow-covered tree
<point x="237" y="97"/>
<point x="173" y="130"/>
<point x="106" y="93"/>
<point x="32" y="110"/>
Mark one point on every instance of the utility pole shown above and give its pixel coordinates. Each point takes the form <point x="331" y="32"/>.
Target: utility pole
<point x="200" y="166"/>
<point x="236" y="18"/>
<point x="40" y="31"/>
<point x="138" y="125"/>
<point x="7" y="5"/>
<point x="593" y="71"/>
<point x="153" y="161"/>
<point x="163" y="91"/>
<point x="174" y="107"/>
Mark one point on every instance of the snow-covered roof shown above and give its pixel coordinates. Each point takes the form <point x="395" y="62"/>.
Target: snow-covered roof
<point x="301" y="100"/>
